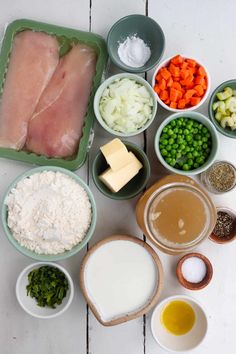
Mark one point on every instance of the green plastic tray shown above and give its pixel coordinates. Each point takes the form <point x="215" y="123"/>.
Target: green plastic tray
<point x="65" y="36"/>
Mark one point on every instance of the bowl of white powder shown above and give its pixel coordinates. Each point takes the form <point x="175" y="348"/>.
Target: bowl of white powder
<point x="136" y="43"/>
<point x="48" y="213"/>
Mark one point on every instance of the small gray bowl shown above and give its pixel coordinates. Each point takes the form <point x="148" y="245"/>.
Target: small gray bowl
<point x="133" y="187"/>
<point x="225" y="131"/>
<point x="146" y="29"/>
<point x="200" y="118"/>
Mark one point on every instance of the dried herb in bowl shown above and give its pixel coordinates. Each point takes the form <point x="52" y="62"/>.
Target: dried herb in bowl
<point x="220" y="177"/>
<point x="48" y="285"/>
<point x="225" y="226"/>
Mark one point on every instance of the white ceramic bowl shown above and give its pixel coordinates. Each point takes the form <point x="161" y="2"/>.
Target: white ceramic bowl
<point x="29" y="304"/>
<point x="182" y="343"/>
<point x="99" y="93"/>
<point x="165" y="63"/>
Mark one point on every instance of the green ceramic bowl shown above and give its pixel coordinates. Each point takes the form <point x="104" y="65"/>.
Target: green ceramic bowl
<point x="131" y="189"/>
<point x="43" y="257"/>
<point x="99" y="93"/>
<point x="225" y="131"/>
<point x="200" y="118"/>
<point x="145" y="28"/>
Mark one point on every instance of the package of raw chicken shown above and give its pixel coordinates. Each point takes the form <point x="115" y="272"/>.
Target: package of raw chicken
<point x="48" y="78"/>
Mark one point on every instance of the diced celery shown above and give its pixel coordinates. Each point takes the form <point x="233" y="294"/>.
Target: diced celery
<point x="215" y="105"/>
<point x="218" y="116"/>
<point x="225" y="94"/>
<point x="222" y="107"/>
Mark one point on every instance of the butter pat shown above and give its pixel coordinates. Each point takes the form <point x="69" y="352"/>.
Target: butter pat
<point x="115" y="180"/>
<point x="116" y="154"/>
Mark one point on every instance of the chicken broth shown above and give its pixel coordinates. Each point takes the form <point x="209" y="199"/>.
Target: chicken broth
<point x="177" y="215"/>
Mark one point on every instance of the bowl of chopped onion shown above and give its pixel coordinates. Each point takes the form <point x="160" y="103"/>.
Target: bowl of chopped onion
<point x="125" y="105"/>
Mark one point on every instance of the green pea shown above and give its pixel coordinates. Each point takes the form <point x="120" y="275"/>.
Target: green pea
<point x="175" y="146"/>
<point x="168" y="148"/>
<point x="190" y="155"/>
<point x="190" y="162"/>
<point x="189" y="137"/>
<point x="182" y="147"/>
<point x="205" y="146"/>
<point x="171" y="141"/>
<point x="195" y="153"/>
<point x="165" y="130"/>
<point x="195" y="144"/>
<point x="173" y="152"/>
<point x="197" y="137"/>
<point x="164" y="152"/>
<point x="170" y="132"/>
<point x="168" y="159"/>
<point x="178" y="155"/>
<point x="187" y="149"/>
<point x="204" y="130"/>
<point x="196" y="165"/>
<point x="186" y="131"/>
<point x="185" y="167"/>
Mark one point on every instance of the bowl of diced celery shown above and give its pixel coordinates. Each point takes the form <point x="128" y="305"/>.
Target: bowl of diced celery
<point x="222" y="108"/>
<point x="125" y="105"/>
<point x="186" y="143"/>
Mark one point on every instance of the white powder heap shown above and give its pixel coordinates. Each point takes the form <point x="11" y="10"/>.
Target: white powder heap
<point x="48" y="212"/>
<point x="194" y="269"/>
<point x="134" y="52"/>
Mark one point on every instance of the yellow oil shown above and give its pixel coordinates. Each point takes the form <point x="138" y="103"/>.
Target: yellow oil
<point x="178" y="317"/>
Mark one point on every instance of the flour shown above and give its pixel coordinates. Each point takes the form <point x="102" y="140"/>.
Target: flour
<point x="134" y="52"/>
<point x="48" y="212"/>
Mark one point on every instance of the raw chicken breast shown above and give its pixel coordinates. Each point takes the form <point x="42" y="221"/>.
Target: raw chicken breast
<point x="56" y="126"/>
<point x="33" y="60"/>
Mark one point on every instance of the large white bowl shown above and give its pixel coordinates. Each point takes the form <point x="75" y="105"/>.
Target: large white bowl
<point x="182" y="343"/>
<point x="163" y="64"/>
<point x="29" y="304"/>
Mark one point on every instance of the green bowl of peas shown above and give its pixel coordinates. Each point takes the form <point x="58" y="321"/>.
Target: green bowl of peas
<point x="186" y="143"/>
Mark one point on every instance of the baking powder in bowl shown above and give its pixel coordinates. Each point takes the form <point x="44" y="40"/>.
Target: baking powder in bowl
<point x="134" y="52"/>
<point x="48" y="212"/>
<point x="120" y="278"/>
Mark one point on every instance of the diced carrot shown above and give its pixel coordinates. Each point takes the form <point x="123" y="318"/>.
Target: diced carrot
<point x="167" y="102"/>
<point x="177" y="60"/>
<point x="165" y="73"/>
<point x="157" y="89"/>
<point x="181" y="103"/>
<point x="176" y="85"/>
<point x="180" y="95"/>
<point x="195" y="101"/>
<point x="169" y="82"/>
<point x="184" y="73"/>
<point x="191" y="62"/>
<point x="174" y="70"/>
<point x="204" y="86"/>
<point x="164" y="95"/>
<point x="201" y="71"/>
<point x="192" y="71"/>
<point x="200" y="80"/>
<point x="174" y="94"/>
<point x="187" y="82"/>
<point x="184" y="65"/>
<point x="199" y="90"/>
<point x="159" y="77"/>
<point x="189" y="93"/>
<point x="162" y="84"/>
<point x="177" y="78"/>
<point x="187" y="101"/>
<point x="173" y="104"/>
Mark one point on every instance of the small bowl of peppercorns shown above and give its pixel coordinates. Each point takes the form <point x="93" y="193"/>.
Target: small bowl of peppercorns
<point x="225" y="228"/>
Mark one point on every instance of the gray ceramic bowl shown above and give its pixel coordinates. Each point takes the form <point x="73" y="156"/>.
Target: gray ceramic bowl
<point x="145" y="28"/>
<point x="132" y="188"/>
<point x="225" y="131"/>
<point x="215" y="142"/>
<point x="45" y="257"/>
<point x="99" y="93"/>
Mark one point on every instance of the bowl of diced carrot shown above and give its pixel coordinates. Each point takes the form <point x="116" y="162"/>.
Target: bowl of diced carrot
<point x="181" y="83"/>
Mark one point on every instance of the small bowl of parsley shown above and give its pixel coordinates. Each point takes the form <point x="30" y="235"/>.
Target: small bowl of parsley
<point x="44" y="290"/>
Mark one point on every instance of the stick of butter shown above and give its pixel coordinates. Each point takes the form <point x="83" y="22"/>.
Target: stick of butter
<point x="116" y="154"/>
<point x="115" y="180"/>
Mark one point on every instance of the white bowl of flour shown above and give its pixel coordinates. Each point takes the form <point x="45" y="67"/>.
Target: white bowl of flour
<point x="48" y="213"/>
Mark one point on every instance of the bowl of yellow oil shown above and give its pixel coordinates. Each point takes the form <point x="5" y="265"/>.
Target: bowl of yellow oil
<point x="179" y="323"/>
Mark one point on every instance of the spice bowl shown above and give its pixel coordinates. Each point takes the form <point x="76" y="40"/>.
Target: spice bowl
<point x="194" y="271"/>
<point x="220" y="177"/>
<point x="29" y="304"/>
<point x="232" y="234"/>
<point x="134" y="186"/>
<point x="142" y="27"/>
<point x="179" y="343"/>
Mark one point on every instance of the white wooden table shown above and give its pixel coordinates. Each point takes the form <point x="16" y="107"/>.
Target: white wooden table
<point x="202" y="29"/>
